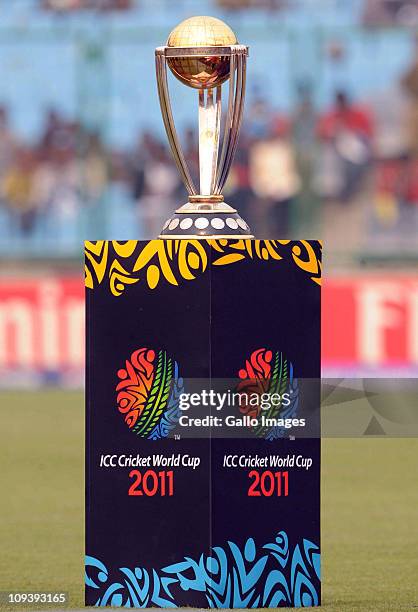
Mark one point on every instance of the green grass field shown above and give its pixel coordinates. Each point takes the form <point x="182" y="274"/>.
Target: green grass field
<point x="369" y="508"/>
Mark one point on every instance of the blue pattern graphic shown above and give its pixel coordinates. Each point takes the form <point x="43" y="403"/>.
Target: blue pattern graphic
<point x="270" y="576"/>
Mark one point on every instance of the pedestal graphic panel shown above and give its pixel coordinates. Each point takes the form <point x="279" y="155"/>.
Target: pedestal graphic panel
<point x="202" y="423"/>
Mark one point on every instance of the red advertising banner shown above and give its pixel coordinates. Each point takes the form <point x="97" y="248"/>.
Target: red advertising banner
<point x="369" y="323"/>
<point x="41" y="330"/>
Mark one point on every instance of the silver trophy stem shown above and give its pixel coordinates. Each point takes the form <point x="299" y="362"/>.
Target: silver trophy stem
<point x="209" y="123"/>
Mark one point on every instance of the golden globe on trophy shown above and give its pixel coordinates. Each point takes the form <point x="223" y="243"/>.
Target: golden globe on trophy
<point x="203" y="53"/>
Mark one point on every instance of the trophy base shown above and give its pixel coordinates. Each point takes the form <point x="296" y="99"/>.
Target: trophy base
<point x="212" y="221"/>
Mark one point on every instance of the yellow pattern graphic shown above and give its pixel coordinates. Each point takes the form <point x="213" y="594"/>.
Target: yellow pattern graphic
<point x="126" y="263"/>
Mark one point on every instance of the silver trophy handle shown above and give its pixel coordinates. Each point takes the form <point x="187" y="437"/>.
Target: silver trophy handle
<point x="164" y="96"/>
<point x="233" y="118"/>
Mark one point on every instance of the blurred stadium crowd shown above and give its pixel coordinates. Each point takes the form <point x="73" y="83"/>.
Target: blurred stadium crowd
<point x="345" y="168"/>
<point x="335" y="156"/>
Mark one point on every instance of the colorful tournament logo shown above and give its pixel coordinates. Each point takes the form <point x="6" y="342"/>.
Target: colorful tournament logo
<point x="148" y="393"/>
<point x="268" y="375"/>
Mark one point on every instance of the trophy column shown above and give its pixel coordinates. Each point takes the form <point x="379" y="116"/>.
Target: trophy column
<point x="191" y="501"/>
